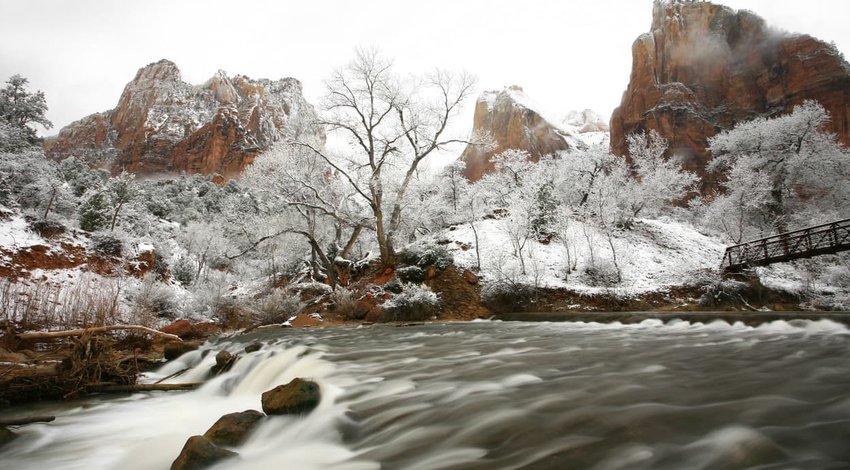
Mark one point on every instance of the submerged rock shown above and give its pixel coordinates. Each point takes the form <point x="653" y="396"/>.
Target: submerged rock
<point x="199" y="452"/>
<point x="298" y="396"/>
<point x="253" y="347"/>
<point x="174" y="350"/>
<point x="234" y="428"/>
<point x="224" y="360"/>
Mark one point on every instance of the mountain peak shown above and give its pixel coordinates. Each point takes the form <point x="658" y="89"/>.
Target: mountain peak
<point x="163" y="69"/>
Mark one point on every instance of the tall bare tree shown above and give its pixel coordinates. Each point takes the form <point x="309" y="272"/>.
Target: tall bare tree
<point x="390" y="127"/>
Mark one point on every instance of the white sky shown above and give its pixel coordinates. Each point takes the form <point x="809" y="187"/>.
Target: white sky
<point x="565" y="54"/>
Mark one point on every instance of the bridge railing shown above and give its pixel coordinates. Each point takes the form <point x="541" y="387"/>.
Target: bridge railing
<point x="820" y="239"/>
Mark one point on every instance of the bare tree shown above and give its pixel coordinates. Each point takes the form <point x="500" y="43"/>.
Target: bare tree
<point x="389" y="124"/>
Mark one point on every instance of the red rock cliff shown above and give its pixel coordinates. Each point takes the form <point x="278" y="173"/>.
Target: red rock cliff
<point x="703" y="68"/>
<point x="512" y="124"/>
<point x="163" y="125"/>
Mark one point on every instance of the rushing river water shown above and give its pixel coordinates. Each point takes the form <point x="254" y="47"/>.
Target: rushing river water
<point x="488" y="395"/>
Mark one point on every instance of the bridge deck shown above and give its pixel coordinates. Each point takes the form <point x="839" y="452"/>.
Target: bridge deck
<point x="823" y="239"/>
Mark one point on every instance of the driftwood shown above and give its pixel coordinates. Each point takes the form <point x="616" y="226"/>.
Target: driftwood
<point x="27" y="420"/>
<point x="35" y="335"/>
<point x="113" y="388"/>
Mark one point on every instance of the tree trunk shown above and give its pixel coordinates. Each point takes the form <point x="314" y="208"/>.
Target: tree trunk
<point x="50" y="202"/>
<point x="35" y="335"/>
<point x="115" y="217"/>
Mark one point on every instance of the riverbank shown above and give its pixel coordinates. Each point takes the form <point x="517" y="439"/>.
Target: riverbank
<point x="747" y="318"/>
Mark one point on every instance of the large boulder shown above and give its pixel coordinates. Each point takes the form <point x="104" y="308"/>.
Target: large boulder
<point x="296" y="397"/>
<point x="182" y="328"/>
<point x="233" y="429"/>
<point x="199" y="453"/>
<point x="703" y="68"/>
<point x="163" y="125"/>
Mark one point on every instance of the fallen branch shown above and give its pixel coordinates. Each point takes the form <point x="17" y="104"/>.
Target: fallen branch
<point x="28" y="420"/>
<point x="112" y="388"/>
<point x="96" y="330"/>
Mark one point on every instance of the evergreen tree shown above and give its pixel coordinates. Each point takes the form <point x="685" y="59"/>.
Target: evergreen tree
<point x="21" y="109"/>
<point x="95" y="212"/>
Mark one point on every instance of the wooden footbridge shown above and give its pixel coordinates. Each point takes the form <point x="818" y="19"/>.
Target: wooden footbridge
<point x="819" y="240"/>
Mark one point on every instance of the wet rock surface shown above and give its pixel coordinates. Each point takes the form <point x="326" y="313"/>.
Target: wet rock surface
<point x="198" y="453"/>
<point x="233" y="429"/>
<point x="297" y="397"/>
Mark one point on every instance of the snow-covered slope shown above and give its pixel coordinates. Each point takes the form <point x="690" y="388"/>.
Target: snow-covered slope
<point x="653" y="255"/>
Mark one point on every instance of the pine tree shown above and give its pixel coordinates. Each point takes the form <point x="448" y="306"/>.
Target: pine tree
<point x="21" y="109"/>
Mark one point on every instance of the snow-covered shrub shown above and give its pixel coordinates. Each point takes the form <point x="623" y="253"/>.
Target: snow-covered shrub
<point x="414" y="303"/>
<point x="183" y="270"/>
<point x="602" y="274"/>
<point x="506" y="288"/>
<point x="426" y="254"/>
<point x="48" y="228"/>
<point x="213" y="299"/>
<point x="410" y="274"/>
<point x="722" y="291"/>
<point x="345" y="304"/>
<point x="838" y="276"/>
<point x="152" y="298"/>
<point x="277" y="307"/>
<point x="106" y="245"/>
<point x="505" y="295"/>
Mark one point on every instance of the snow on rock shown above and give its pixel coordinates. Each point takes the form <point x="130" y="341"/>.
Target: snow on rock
<point x="514" y="121"/>
<point x="164" y="125"/>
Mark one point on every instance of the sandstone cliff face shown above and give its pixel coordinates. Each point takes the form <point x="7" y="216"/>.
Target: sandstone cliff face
<point x="164" y="125"/>
<point x="513" y="123"/>
<point x="704" y="68"/>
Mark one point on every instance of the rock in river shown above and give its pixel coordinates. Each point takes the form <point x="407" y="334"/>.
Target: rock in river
<point x="298" y="396"/>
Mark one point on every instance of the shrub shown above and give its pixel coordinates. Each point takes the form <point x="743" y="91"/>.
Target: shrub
<point x="602" y="274"/>
<point x="423" y="255"/>
<point x="345" y="304"/>
<point x="410" y="274"/>
<point x="183" y="270"/>
<point x="415" y="302"/>
<point x="106" y="245"/>
<point x="48" y="228"/>
<point x="505" y="295"/>
<point x="153" y="298"/>
<point x="277" y="307"/>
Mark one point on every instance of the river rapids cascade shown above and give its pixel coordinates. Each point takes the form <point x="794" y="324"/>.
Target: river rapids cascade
<point x="485" y="395"/>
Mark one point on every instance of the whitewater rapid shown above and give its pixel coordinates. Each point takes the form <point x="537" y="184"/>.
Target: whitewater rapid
<point x="484" y="395"/>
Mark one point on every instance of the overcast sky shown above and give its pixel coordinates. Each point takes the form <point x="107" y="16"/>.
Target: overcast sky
<point x="565" y="54"/>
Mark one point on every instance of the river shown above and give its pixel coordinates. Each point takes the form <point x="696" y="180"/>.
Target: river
<point x="490" y="395"/>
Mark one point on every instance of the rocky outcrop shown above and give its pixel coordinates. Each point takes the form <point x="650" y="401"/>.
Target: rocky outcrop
<point x="703" y="68"/>
<point x="164" y="125"/>
<point x="509" y="121"/>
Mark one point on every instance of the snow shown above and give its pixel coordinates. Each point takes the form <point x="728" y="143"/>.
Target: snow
<point x="653" y="255"/>
<point x="15" y="234"/>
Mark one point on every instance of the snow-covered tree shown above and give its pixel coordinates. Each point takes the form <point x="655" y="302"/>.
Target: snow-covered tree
<point x="659" y="181"/>
<point x="22" y="108"/>
<point x="807" y="169"/>
<point x="387" y="122"/>
<point x="306" y="197"/>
